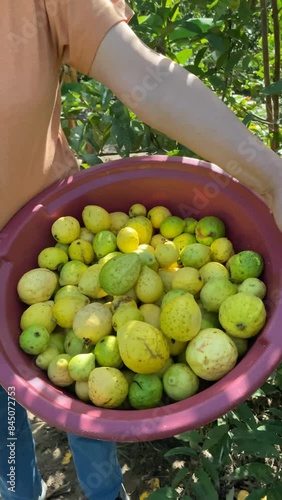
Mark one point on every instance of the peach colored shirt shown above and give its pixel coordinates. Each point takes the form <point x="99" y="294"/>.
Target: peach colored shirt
<point x="36" y="37"/>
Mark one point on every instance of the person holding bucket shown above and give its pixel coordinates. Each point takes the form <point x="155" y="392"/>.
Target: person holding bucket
<point x="37" y="37"/>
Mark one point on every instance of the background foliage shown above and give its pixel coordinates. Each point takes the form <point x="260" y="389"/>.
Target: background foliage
<point x="222" y="42"/>
<point x="234" y="47"/>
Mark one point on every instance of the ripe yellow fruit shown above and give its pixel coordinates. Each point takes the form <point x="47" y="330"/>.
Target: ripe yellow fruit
<point x="213" y="270"/>
<point x="82" y="391"/>
<point x="93" y="322"/>
<point x="81" y="250"/>
<point x="166" y="275"/>
<point x="242" y="315"/>
<point x="52" y="258"/>
<point x="172" y="226"/>
<point x="37" y="285"/>
<point x="96" y="218"/>
<point x="118" y="221"/>
<point x="86" y="235"/>
<point x="148" y="248"/>
<point x="143" y="227"/>
<point x="45" y="357"/>
<point x="66" y="308"/>
<point x="211" y="354"/>
<point x="137" y="209"/>
<point x="184" y="239"/>
<point x="157" y="239"/>
<point x="181" y="318"/>
<point x="215" y="291"/>
<point x="127" y="240"/>
<point x="65" y="229"/>
<point x="151" y="314"/>
<point x="68" y="291"/>
<point x="89" y="283"/>
<point x="221" y="250"/>
<point x="187" y="278"/>
<point x="149" y="286"/>
<point x="124" y="314"/>
<point x="58" y="371"/>
<point x="40" y="314"/>
<point x="157" y="215"/>
<point x="166" y="253"/>
<point x="143" y="348"/>
<point x="107" y="387"/>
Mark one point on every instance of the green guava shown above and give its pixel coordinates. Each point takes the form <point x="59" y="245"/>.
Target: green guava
<point x="34" y="339"/>
<point x="208" y="229"/>
<point x="246" y="264"/>
<point x="145" y="391"/>
<point x="180" y="382"/>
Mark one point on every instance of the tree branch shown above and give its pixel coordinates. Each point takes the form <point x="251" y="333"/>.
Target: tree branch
<point x="276" y="73"/>
<point x="265" y="53"/>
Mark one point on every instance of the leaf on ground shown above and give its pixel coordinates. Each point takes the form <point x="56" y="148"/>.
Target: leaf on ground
<point x="260" y="471"/>
<point x="214" y="435"/>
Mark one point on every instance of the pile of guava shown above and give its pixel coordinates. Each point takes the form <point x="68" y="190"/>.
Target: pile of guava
<point x="140" y="309"/>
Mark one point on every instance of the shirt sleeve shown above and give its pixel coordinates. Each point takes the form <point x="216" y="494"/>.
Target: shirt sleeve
<point x="79" y="26"/>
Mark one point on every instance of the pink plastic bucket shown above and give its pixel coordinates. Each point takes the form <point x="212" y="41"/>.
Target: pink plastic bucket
<point x="189" y="188"/>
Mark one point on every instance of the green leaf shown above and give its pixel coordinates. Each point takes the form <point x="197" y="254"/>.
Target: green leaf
<point x="276" y="412"/>
<point x="163" y="493"/>
<point x="184" y="55"/>
<point x="214" y="435"/>
<point x="179" y="477"/>
<point x="91" y="159"/>
<point x="260" y="471"/>
<point x="204" y="486"/>
<point x="247" y="119"/>
<point x="245" y="414"/>
<point x="253" y="446"/>
<point x="181" y="451"/>
<point x="234" y="58"/>
<point x="210" y="469"/>
<point x="258" y="494"/>
<point x="71" y="86"/>
<point x="188" y="436"/>
<point x="231" y="494"/>
<point x="275" y="491"/>
<point x="274" y="88"/>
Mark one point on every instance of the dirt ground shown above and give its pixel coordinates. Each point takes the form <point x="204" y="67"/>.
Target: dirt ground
<point x="140" y="462"/>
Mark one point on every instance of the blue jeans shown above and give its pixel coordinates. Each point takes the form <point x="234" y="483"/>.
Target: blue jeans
<point x="96" y="462"/>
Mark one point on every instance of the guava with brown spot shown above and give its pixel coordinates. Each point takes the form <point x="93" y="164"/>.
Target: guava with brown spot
<point x="242" y="315"/>
<point x="143" y="348"/>
<point x="211" y="354"/>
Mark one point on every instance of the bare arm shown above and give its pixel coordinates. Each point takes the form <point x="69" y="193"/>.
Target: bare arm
<point x="177" y="103"/>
